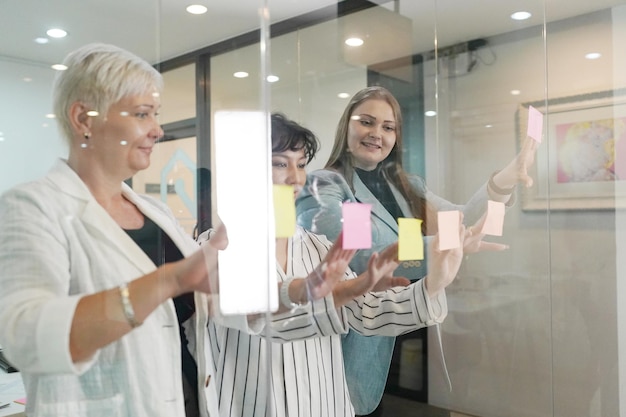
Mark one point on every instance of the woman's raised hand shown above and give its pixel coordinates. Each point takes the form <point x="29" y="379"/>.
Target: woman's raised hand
<point x="380" y="269"/>
<point x="473" y="239"/>
<point x="516" y="171"/>
<point x="198" y="272"/>
<point x="326" y="275"/>
<point x="443" y="265"/>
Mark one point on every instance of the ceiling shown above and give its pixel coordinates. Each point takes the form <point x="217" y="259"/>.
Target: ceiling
<point x="161" y="29"/>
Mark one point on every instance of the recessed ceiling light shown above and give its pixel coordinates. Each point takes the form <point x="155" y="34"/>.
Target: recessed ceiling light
<point x="196" y="9"/>
<point x="521" y="15"/>
<point x="92" y="113"/>
<point x="50" y="116"/>
<point x="59" y="67"/>
<point x="516" y="92"/>
<point x="343" y="95"/>
<point x="240" y="74"/>
<point x="593" y="55"/>
<point x="27" y="79"/>
<point x="56" y="33"/>
<point x="42" y="41"/>
<point x="488" y="126"/>
<point x="354" y="41"/>
<point x="430" y="113"/>
<point x="272" y="78"/>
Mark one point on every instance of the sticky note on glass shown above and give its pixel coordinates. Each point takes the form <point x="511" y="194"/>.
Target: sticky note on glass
<point x="495" y="218"/>
<point x="410" y="240"/>
<point x="357" y="225"/>
<point x="535" y="124"/>
<point x="284" y="211"/>
<point x="21" y="401"/>
<point x="448" y="223"/>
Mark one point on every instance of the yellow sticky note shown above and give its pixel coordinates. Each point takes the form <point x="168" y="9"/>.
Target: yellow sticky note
<point x="284" y="210"/>
<point x="410" y="241"/>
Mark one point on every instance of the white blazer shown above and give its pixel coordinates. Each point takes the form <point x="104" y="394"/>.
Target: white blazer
<point x="58" y="244"/>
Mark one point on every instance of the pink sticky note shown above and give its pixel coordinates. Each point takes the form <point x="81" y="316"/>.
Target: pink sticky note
<point x="448" y="224"/>
<point x="495" y="219"/>
<point x="357" y="225"/>
<point x="21" y="401"/>
<point x="535" y="123"/>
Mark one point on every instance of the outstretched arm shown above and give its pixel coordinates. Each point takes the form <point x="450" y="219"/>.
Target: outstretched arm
<point x="503" y="182"/>
<point x="376" y="278"/>
<point x="101" y="318"/>
<point x="324" y="278"/>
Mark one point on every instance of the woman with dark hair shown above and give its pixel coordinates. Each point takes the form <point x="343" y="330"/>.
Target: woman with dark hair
<point x="365" y="166"/>
<point x="303" y="339"/>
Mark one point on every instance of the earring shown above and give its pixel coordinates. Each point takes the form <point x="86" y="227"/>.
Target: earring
<point x="86" y="135"/>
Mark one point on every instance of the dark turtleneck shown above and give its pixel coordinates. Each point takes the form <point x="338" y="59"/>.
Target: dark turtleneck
<point x="375" y="181"/>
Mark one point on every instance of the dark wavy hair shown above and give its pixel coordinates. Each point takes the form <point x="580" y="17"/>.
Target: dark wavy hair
<point x="288" y="135"/>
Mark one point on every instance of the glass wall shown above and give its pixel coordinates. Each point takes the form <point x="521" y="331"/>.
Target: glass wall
<point x="535" y="330"/>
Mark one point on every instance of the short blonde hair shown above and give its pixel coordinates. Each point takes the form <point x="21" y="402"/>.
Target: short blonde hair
<point x="99" y="75"/>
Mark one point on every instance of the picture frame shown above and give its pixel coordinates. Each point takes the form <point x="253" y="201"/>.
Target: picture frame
<point x="581" y="162"/>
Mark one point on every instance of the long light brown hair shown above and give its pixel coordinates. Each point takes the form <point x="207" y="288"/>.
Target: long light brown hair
<point x="341" y="160"/>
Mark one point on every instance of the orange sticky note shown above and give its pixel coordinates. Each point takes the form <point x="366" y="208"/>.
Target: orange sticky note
<point x="410" y="240"/>
<point x="495" y="218"/>
<point x="535" y="124"/>
<point x="448" y="225"/>
<point x="284" y="210"/>
<point x="357" y="225"/>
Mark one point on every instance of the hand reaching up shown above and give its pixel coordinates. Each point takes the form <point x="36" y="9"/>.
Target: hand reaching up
<point x="377" y="277"/>
<point x="516" y="171"/>
<point x="323" y="279"/>
<point x="443" y="265"/>
<point x="380" y="269"/>
<point x="524" y="160"/>
<point x="473" y="239"/>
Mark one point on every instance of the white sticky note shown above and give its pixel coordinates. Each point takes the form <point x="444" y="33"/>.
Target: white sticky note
<point x="448" y="223"/>
<point x="495" y="219"/>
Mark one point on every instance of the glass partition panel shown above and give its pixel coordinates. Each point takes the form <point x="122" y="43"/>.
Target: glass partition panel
<point x="534" y="330"/>
<point x="496" y="344"/>
<point x="518" y="339"/>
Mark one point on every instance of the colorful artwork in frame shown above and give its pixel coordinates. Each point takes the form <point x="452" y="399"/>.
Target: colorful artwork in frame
<point x="581" y="164"/>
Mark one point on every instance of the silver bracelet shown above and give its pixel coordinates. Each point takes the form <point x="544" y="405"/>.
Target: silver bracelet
<point x="129" y="312"/>
<point x="283" y="295"/>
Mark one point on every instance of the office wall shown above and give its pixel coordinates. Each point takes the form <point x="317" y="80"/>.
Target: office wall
<point x="29" y="142"/>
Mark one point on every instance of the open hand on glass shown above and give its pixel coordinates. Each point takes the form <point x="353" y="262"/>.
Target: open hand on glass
<point x="198" y="272"/>
<point x="326" y="275"/>
<point x="378" y="277"/>
<point x="443" y="265"/>
<point x="380" y="269"/>
<point x="473" y="239"/>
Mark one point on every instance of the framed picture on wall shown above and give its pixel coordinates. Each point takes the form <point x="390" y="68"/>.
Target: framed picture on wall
<point x="581" y="162"/>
